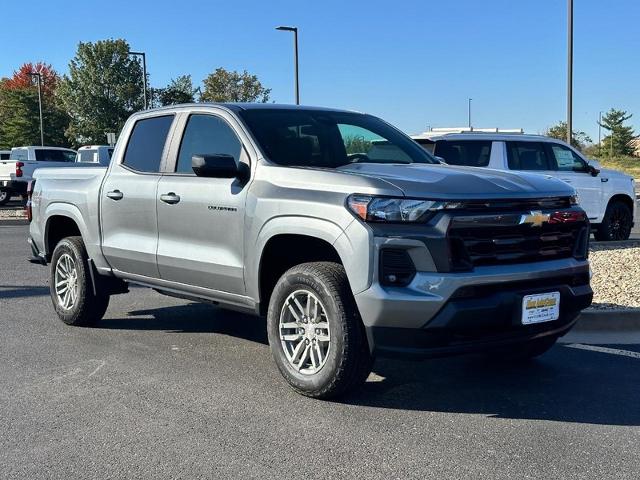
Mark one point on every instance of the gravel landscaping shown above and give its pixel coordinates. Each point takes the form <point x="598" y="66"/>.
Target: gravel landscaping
<point x="616" y="275"/>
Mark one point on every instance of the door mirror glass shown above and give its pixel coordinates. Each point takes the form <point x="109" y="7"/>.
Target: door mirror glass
<point x="219" y="165"/>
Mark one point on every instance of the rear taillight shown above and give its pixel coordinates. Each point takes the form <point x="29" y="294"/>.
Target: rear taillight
<point x="19" y="166"/>
<point x="30" y="186"/>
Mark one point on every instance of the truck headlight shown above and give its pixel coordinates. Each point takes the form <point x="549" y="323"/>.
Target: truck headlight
<point x="574" y="199"/>
<point x="387" y="209"/>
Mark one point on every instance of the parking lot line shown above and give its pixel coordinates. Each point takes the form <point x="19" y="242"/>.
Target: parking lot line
<point x="613" y="351"/>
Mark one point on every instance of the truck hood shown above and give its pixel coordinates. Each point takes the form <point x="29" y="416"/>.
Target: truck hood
<point x="455" y="182"/>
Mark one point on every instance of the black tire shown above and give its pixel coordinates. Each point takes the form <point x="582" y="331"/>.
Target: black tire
<point x="616" y="224"/>
<point x="5" y="196"/>
<point x="348" y="360"/>
<point x="524" y="352"/>
<point x="87" y="309"/>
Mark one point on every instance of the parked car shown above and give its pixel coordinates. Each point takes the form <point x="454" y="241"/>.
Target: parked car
<point x="290" y="213"/>
<point x="4" y="154"/>
<point x="608" y="196"/>
<point x="17" y="170"/>
<point x="100" y="154"/>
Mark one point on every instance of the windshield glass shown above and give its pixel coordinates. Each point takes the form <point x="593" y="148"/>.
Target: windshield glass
<point x="317" y="138"/>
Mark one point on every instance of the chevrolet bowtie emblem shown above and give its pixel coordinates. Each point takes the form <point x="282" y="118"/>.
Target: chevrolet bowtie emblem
<point x="535" y="218"/>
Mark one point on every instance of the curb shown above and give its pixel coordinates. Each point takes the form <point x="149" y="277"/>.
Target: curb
<point x="619" y="320"/>
<point x="14" y="214"/>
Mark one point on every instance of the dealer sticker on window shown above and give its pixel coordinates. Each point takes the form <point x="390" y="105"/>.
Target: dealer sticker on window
<point x="541" y="307"/>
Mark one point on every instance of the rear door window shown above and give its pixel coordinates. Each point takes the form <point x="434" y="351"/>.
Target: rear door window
<point x="471" y="153"/>
<point x="20" y="154"/>
<point x="566" y="159"/>
<point x="528" y="156"/>
<point x="4" y="156"/>
<point x="86" y="156"/>
<point x="146" y="144"/>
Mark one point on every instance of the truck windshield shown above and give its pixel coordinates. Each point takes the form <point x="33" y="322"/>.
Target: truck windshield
<point x="321" y="138"/>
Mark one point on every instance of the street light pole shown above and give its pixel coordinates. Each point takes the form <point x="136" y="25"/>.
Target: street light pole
<point x="469" y="112"/>
<point x="599" y="132"/>
<point x="295" y="59"/>
<point x="39" y="81"/>
<point x="569" y="71"/>
<point x="144" y="73"/>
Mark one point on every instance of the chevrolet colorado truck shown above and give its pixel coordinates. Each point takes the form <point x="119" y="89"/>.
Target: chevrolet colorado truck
<point x="348" y="236"/>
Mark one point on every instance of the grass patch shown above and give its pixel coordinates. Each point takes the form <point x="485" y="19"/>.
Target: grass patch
<point x="628" y="165"/>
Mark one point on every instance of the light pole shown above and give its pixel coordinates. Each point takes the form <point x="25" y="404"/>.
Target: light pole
<point x="39" y="81"/>
<point x="469" y="112"/>
<point x="569" y="71"/>
<point x="295" y="58"/>
<point x="600" y="132"/>
<point x="144" y="73"/>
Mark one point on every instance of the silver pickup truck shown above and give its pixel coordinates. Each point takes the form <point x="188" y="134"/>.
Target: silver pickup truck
<point x="349" y="237"/>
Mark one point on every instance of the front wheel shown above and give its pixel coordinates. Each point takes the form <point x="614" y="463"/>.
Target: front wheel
<point x="70" y="285"/>
<point x="315" y="331"/>
<point x="616" y="224"/>
<point x="5" y="196"/>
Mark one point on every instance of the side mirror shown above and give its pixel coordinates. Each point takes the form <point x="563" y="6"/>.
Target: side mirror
<point x="593" y="168"/>
<point x="441" y="160"/>
<point x="219" y="165"/>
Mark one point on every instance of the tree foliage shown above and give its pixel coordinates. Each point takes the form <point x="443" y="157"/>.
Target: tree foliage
<point x="179" y="90"/>
<point x="231" y="86"/>
<point x="19" y="109"/>
<point x="103" y="88"/>
<point x="579" y="139"/>
<point x="618" y="142"/>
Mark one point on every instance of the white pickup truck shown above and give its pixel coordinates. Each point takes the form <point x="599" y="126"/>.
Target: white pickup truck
<point x="17" y="170"/>
<point x="95" y="154"/>
<point x="608" y="196"/>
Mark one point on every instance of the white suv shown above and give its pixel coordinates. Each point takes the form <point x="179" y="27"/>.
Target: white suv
<point x="608" y="196"/>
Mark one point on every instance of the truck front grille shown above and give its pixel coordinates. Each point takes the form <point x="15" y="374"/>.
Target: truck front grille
<point x="502" y="239"/>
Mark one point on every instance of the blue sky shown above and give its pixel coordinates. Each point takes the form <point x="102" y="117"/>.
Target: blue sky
<point x="414" y="63"/>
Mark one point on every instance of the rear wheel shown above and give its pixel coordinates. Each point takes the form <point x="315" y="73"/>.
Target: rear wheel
<point x="315" y="331"/>
<point x="524" y="352"/>
<point x="616" y="224"/>
<point x="5" y="196"/>
<point x="70" y="285"/>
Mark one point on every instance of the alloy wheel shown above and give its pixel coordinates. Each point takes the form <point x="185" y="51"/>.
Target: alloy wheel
<point x="66" y="281"/>
<point x="304" y="332"/>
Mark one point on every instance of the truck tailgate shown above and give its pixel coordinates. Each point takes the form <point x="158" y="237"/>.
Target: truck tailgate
<point x="7" y="169"/>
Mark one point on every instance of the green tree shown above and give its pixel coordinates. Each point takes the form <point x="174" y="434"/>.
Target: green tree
<point x="618" y="142"/>
<point x="578" y="139"/>
<point x="179" y="90"/>
<point x="19" y="112"/>
<point x="103" y="88"/>
<point x="226" y="86"/>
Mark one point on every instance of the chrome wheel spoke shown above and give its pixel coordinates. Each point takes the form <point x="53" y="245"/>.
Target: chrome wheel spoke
<point x="304" y="356"/>
<point x="304" y="332"/>
<point x="65" y="281"/>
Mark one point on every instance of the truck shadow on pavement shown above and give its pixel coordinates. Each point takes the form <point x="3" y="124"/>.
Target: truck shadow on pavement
<point x="565" y="384"/>
<point x="20" y="291"/>
<point x="193" y="318"/>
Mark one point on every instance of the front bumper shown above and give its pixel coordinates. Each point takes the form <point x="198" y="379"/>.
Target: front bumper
<point x="447" y="314"/>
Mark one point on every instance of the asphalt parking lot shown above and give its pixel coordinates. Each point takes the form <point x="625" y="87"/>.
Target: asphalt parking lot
<point x="166" y="388"/>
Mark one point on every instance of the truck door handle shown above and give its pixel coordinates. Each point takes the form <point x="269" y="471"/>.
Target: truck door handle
<point x="170" y="198"/>
<point x="115" y="195"/>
